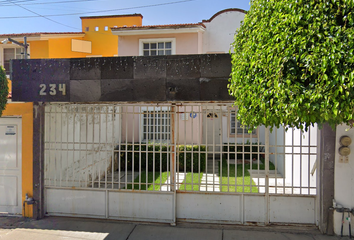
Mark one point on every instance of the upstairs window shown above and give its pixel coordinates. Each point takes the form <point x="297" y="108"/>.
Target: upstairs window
<point x="11" y="53"/>
<point x="154" y="47"/>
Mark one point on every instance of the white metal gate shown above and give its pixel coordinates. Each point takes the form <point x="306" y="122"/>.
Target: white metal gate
<point x="11" y="165"/>
<point x="163" y="162"/>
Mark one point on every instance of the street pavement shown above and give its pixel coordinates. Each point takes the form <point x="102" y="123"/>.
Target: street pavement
<point x="55" y="228"/>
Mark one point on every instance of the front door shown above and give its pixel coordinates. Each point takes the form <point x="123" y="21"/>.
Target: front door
<point x="10" y="165"/>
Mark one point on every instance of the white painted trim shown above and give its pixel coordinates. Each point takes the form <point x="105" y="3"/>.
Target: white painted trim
<point x="156" y="31"/>
<point x="148" y="40"/>
<point x="45" y="37"/>
<point x="2" y="46"/>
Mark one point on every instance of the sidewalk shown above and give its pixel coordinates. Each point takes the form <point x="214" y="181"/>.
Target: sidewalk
<point x="54" y="228"/>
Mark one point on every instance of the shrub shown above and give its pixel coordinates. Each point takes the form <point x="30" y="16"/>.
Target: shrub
<point x="244" y="150"/>
<point x="156" y="156"/>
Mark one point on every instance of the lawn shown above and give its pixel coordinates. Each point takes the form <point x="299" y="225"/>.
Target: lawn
<point x="158" y="179"/>
<point x="239" y="183"/>
<point x="187" y="183"/>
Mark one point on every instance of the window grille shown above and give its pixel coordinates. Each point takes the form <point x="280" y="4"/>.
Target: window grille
<point x="12" y="53"/>
<point x="157" y="48"/>
<point x="156" y="125"/>
<point x="240" y="129"/>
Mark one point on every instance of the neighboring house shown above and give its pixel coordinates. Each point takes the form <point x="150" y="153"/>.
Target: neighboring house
<point x="16" y="157"/>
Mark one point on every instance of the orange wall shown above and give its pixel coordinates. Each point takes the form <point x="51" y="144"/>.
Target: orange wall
<point x="61" y="48"/>
<point x="25" y="110"/>
<point x="104" y="42"/>
<point x="39" y="49"/>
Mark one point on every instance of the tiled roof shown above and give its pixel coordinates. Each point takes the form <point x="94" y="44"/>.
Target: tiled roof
<point x="185" y="25"/>
<point x="114" y="16"/>
<point x="35" y="34"/>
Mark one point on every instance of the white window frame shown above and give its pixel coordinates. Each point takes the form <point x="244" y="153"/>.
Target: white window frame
<point x="2" y="55"/>
<point x="156" y="40"/>
<point x="244" y="131"/>
<point x="157" y="110"/>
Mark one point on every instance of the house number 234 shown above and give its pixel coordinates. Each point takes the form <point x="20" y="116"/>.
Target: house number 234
<point x="52" y="88"/>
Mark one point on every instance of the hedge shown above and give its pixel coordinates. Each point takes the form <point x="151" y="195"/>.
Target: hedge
<point x="243" y="151"/>
<point x="161" y="152"/>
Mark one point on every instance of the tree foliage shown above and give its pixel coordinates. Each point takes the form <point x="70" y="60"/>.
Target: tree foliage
<point x="293" y="63"/>
<point x="4" y="90"/>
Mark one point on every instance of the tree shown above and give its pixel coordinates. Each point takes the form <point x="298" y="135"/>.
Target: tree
<point x="293" y="63"/>
<point x="4" y="90"/>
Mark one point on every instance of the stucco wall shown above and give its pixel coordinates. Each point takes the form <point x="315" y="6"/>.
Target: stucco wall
<point x="343" y="180"/>
<point x="186" y="43"/>
<point x="220" y="31"/>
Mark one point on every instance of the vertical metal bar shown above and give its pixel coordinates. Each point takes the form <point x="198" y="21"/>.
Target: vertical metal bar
<point x="120" y="125"/>
<point x="200" y="130"/>
<point x="55" y="147"/>
<point x="301" y="162"/>
<point x="74" y="116"/>
<point x="50" y="147"/>
<point x="243" y="158"/>
<point x="229" y="121"/>
<point x="292" y="161"/>
<point x="167" y="119"/>
<point x="67" y="145"/>
<point x="126" y="149"/>
<point x="214" y="148"/>
<point x="185" y="147"/>
<point x="153" y="146"/>
<point x="93" y="147"/>
<point x="79" y="113"/>
<point x="207" y="148"/>
<point x="276" y="159"/>
<point x="308" y="161"/>
<point x="133" y="148"/>
<point x="99" y="146"/>
<point x="147" y="138"/>
<point x="161" y="139"/>
<point x="112" y="107"/>
<point x="106" y="151"/>
<point x="173" y="164"/>
<point x="284" y="158"/>
<point x="140" y="142"/>
<point x="61" y="145"/>
<point x="86" y="134"/>
<point x="266" y="162"/>
<point x="251" y="160"/>
<point x="220" y="149"/>
<point x="177" y="143"/>
<point x="259" y="158"/>
<point x="236" y="164"/>
<point x="192" y="144"/>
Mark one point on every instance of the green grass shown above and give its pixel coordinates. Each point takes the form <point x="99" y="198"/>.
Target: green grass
<point x="187" y="183"/>
<point x="228" y="184"/>
<point x="158" y="179"/>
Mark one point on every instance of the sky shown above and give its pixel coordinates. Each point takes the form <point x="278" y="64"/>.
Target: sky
<point x="25" y="16"/>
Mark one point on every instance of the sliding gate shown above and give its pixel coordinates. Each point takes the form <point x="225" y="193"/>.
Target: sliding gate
<point x="169" y="162"/>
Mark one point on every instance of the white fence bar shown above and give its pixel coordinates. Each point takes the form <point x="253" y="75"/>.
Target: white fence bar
<point x="187" y="147"/>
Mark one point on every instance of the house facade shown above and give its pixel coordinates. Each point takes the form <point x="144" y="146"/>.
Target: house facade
<point x="151" y="137"/>
<point x="16" y="166"/>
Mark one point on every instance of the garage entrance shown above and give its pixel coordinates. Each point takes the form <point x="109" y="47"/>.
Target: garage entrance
<point x="165" y="162"/>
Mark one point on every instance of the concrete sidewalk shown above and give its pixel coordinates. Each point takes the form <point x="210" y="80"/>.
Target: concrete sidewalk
<point x="54" y="228"/>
